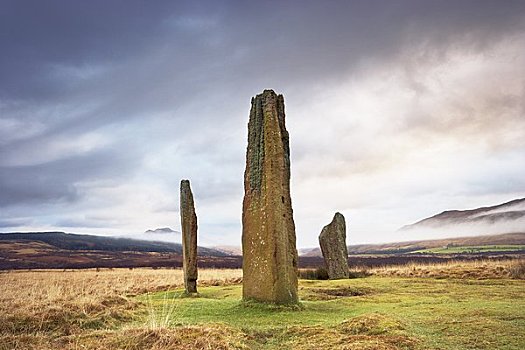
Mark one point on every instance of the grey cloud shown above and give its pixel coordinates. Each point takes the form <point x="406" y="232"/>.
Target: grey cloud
<point x="56" y="181"/>
<point x="38" y="34"/>
<point x="320" y="40"/>
<point x="16" y="222"/>
<point x="22" y="185"/>
<point x="288" y="39"/>
<point x="152" y="65"/>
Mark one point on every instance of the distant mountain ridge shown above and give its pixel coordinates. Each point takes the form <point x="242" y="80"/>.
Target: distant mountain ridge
<point x="71" y="241"/>
<point x="162" y="230"/>
<point x="508" y="211"/>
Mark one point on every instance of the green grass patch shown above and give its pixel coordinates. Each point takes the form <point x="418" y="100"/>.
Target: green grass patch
<point x="366" y="313"/>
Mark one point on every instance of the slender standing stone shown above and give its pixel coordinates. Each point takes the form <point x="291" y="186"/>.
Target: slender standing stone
<point x="268" y="229"/>
<point x="188" y="220"/>
<point x="333" y="245"/>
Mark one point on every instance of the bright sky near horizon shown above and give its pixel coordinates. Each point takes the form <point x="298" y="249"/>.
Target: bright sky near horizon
<point x="397" y="110"/>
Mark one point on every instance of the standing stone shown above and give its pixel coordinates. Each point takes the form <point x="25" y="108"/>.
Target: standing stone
<point x="333" y="245"/>
<point x="268" y="229"/>
<point x="188" y="220"/>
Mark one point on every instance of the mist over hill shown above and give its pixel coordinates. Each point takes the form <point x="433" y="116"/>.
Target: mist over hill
<point x="497" y="219"/>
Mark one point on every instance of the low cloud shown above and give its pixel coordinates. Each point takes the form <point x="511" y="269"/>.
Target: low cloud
<point x="475" y="228"/>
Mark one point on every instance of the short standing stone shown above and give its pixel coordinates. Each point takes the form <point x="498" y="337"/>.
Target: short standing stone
<point x="333" y="245"/>
<point x="268" y="229"/>
<point x="188" y="220"/>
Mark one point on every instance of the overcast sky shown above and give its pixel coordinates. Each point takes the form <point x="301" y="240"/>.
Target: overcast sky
<point x="397" y="110"/>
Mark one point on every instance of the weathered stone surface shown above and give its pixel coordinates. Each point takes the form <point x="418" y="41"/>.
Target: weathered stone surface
<point x="188" y="220"/>
<point x="333" y="245"/>
<point x="268" y="229"/>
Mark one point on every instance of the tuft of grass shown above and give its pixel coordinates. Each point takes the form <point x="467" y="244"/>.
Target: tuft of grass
<point x="359" y="273"/>
<point x="517" y="270"/>
<point x="319" y="273"/>
<point x="372" y="324"/>
<point x="162" y="318"/>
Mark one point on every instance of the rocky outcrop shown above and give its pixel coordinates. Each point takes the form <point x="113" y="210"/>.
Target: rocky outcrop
<point x="268" y="229"/>
<point x="188" y="220"/>
<point x="333" y="246"/>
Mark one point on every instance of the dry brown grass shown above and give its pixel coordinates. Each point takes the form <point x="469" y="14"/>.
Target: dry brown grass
<point x="481" y="269"/>
<point x="369" y="336"/>
<point x="181" y="338"/>
<point x="475" y="269"/>
<point x="517" y="270"/>
<point x="365" y="332"/>
<point x="62" y="303"/>
<point x="33" y="288"/>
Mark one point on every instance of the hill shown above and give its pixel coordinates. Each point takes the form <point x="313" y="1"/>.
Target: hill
<point x="71" y="241"/>
<point x="42" y="250"/>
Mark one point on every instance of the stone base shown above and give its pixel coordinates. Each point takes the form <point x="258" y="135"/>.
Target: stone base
<point x="191" y="287"/>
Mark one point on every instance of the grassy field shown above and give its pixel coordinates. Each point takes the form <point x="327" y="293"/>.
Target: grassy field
<point x="472" y="249"/>
<point x="145" y="309"/>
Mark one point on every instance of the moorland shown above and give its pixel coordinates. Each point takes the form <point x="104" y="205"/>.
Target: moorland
<point x="453" y="305"/>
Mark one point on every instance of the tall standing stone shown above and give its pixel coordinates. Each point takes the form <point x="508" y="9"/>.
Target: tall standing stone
<point x="268" y="229"/>
<point x="333" y="245"/>
<point x="188" y="220"/>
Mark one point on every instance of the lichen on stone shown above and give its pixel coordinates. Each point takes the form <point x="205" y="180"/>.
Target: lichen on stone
<point x="255" y="152"/>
